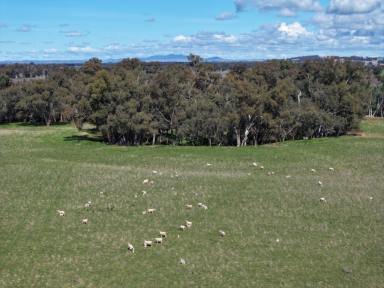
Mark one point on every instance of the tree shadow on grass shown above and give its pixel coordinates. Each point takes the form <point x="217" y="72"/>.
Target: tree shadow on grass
<point x="90" y="135"/>
<point x="88" y="138"/>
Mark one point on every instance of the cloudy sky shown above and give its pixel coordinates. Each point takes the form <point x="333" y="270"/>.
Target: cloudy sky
<point x="236" y="29"/>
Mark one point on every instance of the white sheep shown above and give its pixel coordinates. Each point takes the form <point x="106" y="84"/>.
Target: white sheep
<point x="88" y="204"/>
<point x="182" y="261"/>
<point x="154" y="172"/>
<point x="262" y="167"/>
<point x="144" y="192"/>
<point x="320" y="183"/>
<point x="189" y="206"/>
<point x="370" y="198"/>
<point x="188" y="223"/>
<point x="222" y="233"/>
<point x="159" y="240"/>
<point x="131" y="248"/>
<point x="331" y="169"/>
<point x="146" y="181"/>
<point x="61" y="212"/>
<point x="84" y="221"/>
<point x="182" y="227"/>
<point x="209" y="164"/>
<point x="151" y="210"/>
<point x="288" y="176"/>
<point x="147" y="243"/>
<point x="201" y="205"/>
<point x="322" y="199"/>
<point x="254" y="164"/>
<point x="271" y="173"/>
<point x="163" y="234"/>
<point x="313" y="170"/>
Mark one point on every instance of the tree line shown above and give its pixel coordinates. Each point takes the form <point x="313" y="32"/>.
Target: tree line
<point x="135" y="103"/>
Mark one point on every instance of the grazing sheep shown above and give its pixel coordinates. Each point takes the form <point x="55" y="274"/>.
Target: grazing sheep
<point x="320" y="183"/>
<point x="144" y="192"/>
<point x="151" y="210"/>
<point x="61" y="212"/>
<point x="271" y="173"/>
<point x="201" y="205"/>
<point x="151" y="182"/>
<point x="262" y="167"/>
<point x="209" y="164"/>
<point x="188" y="224"/>
<point x="313" y="170"/>
<point x="144" y="212"/>
<point x="182" y="227"/>
<point x="163" y="234"/>
<point x="146" y="182"/>
<point x="189" y="206"/>
<point x="154" y="172"/>
<point x="84" y="221"/>
<point x="254" y="164"/>
<point x="331" y="169"/>
<point x="277" y="240"/>
<point x="288" y="176"/>
<point x="222" y="233"/>
<point x="88" y="204"/>
<point x="182" y="261"/>
<point x="159" y="240"/>
<point x="147" y="243"/>
<point x="131" y="248"/>
<point x="371" y="198"/>
<point x="322" y="199"/>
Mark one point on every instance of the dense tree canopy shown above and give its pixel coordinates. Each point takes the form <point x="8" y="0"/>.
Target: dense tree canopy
<point x="133" y="103"/>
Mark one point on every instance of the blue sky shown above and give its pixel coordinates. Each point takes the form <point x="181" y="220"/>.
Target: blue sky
<point x="237" y="29"/>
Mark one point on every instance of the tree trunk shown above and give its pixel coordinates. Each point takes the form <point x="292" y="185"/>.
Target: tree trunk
<point x="238" y="139"/>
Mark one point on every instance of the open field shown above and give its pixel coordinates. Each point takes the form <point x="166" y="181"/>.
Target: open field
<point x="337" y="243"/>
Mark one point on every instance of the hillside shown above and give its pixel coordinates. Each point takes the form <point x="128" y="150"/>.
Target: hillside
<point x="278" y="232"/>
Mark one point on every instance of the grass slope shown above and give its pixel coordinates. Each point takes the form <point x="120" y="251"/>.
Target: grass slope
<point x="334" y="244"/>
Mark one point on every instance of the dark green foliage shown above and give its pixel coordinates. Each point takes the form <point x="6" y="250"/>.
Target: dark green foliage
<point x="133" y="103"/>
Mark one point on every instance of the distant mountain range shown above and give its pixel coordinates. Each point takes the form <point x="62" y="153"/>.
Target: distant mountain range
<point x="180" y="58"/>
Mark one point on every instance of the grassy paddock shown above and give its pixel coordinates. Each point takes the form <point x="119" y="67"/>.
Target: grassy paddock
<point x="338" y="243"/>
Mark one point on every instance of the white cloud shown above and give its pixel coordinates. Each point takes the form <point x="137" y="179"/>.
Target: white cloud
<point x="225" y="16"/>
<point x="182" y="38"/>
<point x="73" y="33"/>
<point x="50" y="51"/>
<point x="293" y="30"/>
<point x="78" y="49"/>
<point x="286" y="12"/>
<point x="25" y="28"/>
<point x="353" y="6"/>
<point x="292" y="5"/>
<point x="225" y="38"/>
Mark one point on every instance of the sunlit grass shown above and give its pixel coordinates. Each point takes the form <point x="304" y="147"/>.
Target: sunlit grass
<point x="333" y="244"/>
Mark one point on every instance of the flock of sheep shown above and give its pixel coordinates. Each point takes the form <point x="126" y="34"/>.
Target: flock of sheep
<point x="162" y="234"/>
<point x="187" y="224"/>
